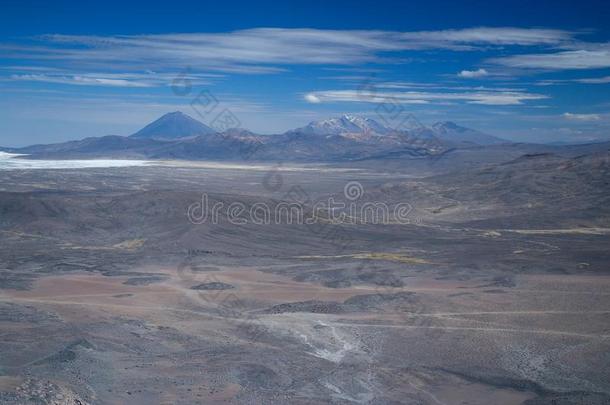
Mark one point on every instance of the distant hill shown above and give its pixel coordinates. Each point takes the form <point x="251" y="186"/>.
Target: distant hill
<point x="452" y="132"/>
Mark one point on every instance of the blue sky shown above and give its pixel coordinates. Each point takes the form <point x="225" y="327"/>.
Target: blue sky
<point x="538" y="73"/>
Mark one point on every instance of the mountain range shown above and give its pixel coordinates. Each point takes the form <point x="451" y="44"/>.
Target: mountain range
<point x="178" y="136"/>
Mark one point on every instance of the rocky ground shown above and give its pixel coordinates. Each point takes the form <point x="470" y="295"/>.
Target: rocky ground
<point x="109" y="294"/>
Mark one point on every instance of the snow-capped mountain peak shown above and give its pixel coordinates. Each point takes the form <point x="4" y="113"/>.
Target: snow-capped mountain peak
<point x="346" y="124"/>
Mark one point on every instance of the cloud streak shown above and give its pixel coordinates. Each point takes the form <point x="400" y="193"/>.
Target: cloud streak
<point x="594" y="80"/>
<point x="107" y="79"/>
<point x="585" y="56"/>
<point x="421" y="97"/>
<point x="581" y="117"/>
<point x="81" y="80"/>
<point x="257" y="50"/>
<point x="583" y="80"/>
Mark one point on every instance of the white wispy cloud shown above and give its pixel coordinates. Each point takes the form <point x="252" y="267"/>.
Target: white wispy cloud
<point x="150" y="79"/>
<point x="594" y="80"/>
<point x="584" y="80"/>
<point x="81" y="80"/>
<point x="583" y="56"/>
<point x="473" y="74"/>
<point x="422" y="97"/>
<point x="430" y="86"/>
<point x="581" y="117"/>
<point x="253" y="50"/>
<point x="490" y="35"/>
